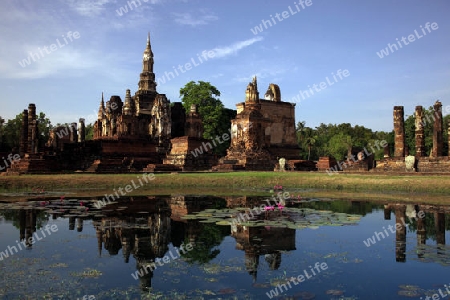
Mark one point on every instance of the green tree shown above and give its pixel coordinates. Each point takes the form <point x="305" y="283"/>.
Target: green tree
<point x="299" y="131"/>
<point x="89" y="132"/>
<point x="44" y="128"/>
<point x="306" y="138"/>
<point x="207" y="244"/>
<point x="309" y="140"/>
<point x="215" y="118"/>
<point x="339" y="145"/>
<point x="12" y="133"/>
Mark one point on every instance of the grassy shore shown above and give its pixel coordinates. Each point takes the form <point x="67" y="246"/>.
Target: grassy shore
<point x="409" y="188"/>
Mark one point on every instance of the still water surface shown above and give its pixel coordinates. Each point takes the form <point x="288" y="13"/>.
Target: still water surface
<point x="337" y="249"/>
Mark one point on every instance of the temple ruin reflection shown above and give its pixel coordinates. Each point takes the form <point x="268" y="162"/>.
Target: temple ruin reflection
<point x="431" y="226"/>
<point x="145" y="228"/>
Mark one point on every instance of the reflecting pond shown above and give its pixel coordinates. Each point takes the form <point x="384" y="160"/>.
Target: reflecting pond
<point x="236" y="247"/>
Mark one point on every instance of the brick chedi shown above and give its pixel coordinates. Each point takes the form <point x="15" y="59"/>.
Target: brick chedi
<point x="144" y="116"/>
<point x="262" y="132"/>
<point x="190" y="152"/>
<point x="135" y="132"/>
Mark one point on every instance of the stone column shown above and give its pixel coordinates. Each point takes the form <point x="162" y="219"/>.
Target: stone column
<point x="32" y="129"/>
<point x="399" y="132"/>
<point x="420" y="141"/>
<point x="437" y="130"/>
<point x="81" y="131"/>
<point x="73" y="133"/>
<point x="24" y="135"/>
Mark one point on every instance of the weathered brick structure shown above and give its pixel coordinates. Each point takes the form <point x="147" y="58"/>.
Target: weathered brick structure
<point x="127" y="135"/>
<point x="437" y="131"/>
<point x="399" y="132"/>
<point x="262" y="132"/>
<point x="184" y="154"/>
<point x="144" y="116"/>
<point x="435" y="163"/>
<point x="137" y="132"/>
<point x="326" y="162"/>
<point x="419" y="134"/>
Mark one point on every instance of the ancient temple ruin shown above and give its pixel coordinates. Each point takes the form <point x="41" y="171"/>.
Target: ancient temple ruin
<point x="182" y="153"/>
<point x="262" y="132"/>
<point x="402" y="161"/>
<point x="127" y="135"/>
<point x="136" y="132"/>
<point x="146" y="115"/>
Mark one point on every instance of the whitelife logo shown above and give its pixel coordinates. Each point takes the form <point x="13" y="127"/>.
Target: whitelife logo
<point x="41" y="53"/>
<point x="411" y="38"/>
<point x="265" y="24"/>
<point x="297" y="280"/>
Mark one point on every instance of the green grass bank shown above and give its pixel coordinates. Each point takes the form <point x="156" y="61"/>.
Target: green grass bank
<point x="409" y="188"/>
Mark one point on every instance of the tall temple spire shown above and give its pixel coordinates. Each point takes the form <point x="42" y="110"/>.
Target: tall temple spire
<point x="148" y="55"/>
<point x="147" y="77"/>
<point x="101" y="109"/>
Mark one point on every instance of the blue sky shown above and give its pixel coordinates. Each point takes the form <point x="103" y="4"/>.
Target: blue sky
<point x="304" y="46"/>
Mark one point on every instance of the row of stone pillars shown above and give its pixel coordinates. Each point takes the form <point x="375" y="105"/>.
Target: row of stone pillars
<point x="29" y="138"/>
<point x="400" y="149"/>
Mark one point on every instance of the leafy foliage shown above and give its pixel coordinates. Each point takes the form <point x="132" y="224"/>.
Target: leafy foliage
<point x="10" y="133"/>
<point x="336" y="140"/>
<point x="215" y="118"/>
<point x="44" y="128"/>
<point x="207" y="243"/>
<point x="89" y="132"/>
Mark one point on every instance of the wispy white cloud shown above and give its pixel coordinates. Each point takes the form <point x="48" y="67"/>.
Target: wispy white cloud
<point x="234" y="48"/>
<point x="88" y="8"/>
<point x="188" y="19"/>
<point x="58" y="62"/>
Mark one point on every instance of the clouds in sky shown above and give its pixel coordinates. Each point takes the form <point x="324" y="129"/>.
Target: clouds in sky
<point x="293" y="53"/>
